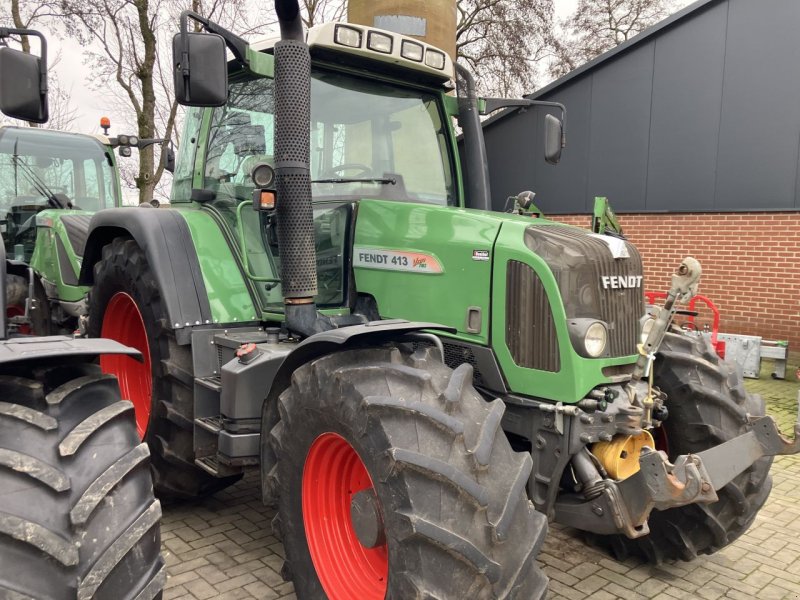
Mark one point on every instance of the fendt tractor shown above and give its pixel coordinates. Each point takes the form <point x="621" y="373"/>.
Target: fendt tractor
<point x="51" y="182"/>
<point x="78" y="519"/>
<point x="422" y="382"/>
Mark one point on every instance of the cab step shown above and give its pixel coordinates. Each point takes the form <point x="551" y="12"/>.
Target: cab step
<point x="212" y="465"/>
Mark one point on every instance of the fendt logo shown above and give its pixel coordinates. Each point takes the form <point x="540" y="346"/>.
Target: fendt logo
<point x="621" y="282"/>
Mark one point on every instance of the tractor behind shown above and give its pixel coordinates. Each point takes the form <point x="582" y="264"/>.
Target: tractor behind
<point x="51" y="182"/>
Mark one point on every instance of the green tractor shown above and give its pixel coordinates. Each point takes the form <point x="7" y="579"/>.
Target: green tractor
<point x="51" y="182"/>
<point x="78" y="518"/>
<point x="422" y="382"/>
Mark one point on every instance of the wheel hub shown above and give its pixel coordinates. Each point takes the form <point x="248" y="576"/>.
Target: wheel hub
<point x="365" y="516"/>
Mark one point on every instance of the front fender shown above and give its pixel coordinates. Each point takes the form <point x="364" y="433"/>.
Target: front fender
<point x="374" y="332"/>
<point x="164" y="236"/>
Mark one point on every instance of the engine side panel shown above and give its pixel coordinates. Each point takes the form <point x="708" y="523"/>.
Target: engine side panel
<point x="427" y="263"/>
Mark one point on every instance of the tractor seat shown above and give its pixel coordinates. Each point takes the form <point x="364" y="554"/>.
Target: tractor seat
<point x="89" y="203"/>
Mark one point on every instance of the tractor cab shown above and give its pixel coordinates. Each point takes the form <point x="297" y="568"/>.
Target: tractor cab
<point x="380" y="130"/>
<point x="43" y="169"/>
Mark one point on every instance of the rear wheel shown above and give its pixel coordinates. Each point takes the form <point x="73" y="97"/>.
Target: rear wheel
<point x="77" y="514"/>
<point x="125" y="305"/>
<point x="708" y="405"/>
<point x="396" y="481"/>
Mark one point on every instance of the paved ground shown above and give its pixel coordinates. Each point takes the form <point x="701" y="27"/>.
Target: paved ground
<point x="223" y="547"/>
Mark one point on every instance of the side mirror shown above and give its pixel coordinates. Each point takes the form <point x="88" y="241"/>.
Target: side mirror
<point x="200" y="69"/>
<point x="553" y="136"/>
<point x="168" y="160"/>
<point x="23" y="91"/>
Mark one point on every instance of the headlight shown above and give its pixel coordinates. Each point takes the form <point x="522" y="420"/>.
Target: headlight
<point x="647" y="327"/>
<point x="347" y="36"/>
<point x="589" y="337"/>
<point x="596" y="339"/>
<point x="379" y="42"/>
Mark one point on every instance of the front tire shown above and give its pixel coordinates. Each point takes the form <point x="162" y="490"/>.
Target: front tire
<point x="125" y="305"/>
<point x="708" y="405"/>
<point x="77" y="514"/>
<point x="446" y="510"/>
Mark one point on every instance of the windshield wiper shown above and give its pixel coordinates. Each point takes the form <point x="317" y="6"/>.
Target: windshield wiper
<point x="381" y="180"/>
<point x="53" y="199"/>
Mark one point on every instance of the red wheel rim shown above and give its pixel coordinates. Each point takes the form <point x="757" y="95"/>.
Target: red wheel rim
<point x="332" y="475"/>
<point x="123" y="322"/>
<point x="15" y="310"/>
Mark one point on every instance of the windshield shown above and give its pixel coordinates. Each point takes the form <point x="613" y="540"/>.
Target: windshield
<point x="368" y="139"/>
<point x="47" y="169"/>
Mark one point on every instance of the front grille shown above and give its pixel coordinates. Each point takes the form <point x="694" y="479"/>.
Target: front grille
<point x="530" y="329"/>
<point x="579" y="261"/>
<point x="455" y="355"/>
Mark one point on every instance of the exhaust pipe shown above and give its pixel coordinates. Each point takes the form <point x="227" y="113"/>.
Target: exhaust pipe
<point x="292" y="170"/>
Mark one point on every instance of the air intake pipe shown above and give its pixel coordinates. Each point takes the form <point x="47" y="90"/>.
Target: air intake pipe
<point x="292" y="170"/>
<point x="476" y="166"/>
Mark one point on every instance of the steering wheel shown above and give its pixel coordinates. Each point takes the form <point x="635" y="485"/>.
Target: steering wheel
<point x="362" y="169"/>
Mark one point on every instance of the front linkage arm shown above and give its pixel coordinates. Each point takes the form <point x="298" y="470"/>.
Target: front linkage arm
<point x="624" y="506"/>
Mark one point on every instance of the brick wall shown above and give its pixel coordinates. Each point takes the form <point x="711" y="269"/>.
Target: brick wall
<point x="751" y="264"/>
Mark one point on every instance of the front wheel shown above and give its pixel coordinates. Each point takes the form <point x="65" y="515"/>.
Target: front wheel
<point x="125" y="305"/>
<point x="396" y="481"/>
<point x="708" y="406"/>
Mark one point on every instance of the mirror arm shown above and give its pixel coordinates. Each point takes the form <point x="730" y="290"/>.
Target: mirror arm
<point x="237" y="45"/>
<point x="8" y="31"/>
<point x="185" y="52"/>
<point x="149" y="142"/>
<point x="493" y="104"/>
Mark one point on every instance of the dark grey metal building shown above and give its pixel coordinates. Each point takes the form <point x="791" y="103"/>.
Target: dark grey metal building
<point x="699" y="113"/>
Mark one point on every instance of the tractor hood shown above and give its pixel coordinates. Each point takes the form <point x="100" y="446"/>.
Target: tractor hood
<point x="510" y="282"/>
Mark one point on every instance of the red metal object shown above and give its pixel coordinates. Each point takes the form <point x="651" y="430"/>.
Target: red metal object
<point x="123" y="322"/>
<point x="719" y="346"/>
<point x="15" y="310"/>
<point x="245" y="349"/>
<point x="332" y="475"/>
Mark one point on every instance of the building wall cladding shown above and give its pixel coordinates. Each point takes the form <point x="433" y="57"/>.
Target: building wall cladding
<point x="701" y="114"/>
<point x="751" y="264"/>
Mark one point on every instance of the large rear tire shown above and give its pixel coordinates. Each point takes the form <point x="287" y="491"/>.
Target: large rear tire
<point x="77" y="514"/>
<point x="444" y="494"/>
<point x="125" y="305"/>
<point x="708" y="405"/>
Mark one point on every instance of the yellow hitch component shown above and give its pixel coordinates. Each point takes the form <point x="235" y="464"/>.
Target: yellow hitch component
<point x="620" y="456"/>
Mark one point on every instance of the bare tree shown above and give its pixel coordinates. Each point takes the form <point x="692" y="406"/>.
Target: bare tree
<point x="596" y="26"/>
<point x="322" y="11"/>
<point x="503" y="42"/>
<point x="129" y="45"/>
